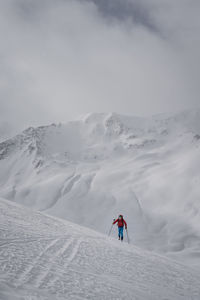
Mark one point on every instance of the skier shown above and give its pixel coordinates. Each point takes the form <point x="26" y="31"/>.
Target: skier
<point x="120" y="222"/>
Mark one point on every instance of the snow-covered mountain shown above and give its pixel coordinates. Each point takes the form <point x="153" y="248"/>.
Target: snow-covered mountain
<point x="90" y="170"/>
<point x="45" y="258"/>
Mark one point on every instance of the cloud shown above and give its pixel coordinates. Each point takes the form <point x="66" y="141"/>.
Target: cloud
<point x="134" y="10"/>
<point x="63" y="58"/>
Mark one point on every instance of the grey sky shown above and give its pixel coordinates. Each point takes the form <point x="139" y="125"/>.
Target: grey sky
<point x="135" y="11"/>
<point x="62" y="58"/>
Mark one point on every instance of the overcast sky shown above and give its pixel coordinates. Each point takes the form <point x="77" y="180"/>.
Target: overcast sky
<point x="63" y="58"/>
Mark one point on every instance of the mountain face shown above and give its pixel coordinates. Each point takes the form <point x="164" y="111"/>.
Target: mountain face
<point x="90" y="170"/>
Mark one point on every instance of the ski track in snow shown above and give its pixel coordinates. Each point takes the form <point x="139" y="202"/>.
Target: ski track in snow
<point x="35" y="265"/>
<point x="47" y="258"/>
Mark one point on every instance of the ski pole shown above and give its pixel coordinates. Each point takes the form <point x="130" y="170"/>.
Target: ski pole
<point x="111" y="228"/>
<point x="127" y="236"/>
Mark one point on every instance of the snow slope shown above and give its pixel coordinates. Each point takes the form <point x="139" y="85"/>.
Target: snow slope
<point x="42" y="257"/>
<point x="90" y="170"/>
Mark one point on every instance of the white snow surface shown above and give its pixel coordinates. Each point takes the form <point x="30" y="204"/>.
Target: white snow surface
<point x="43" y="257"/>
<point x="90" y="170"/>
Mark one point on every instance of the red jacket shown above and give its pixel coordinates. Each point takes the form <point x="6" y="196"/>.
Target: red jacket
<point x="121" y="222"/>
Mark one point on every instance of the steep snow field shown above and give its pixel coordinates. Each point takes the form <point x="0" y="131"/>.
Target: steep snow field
<point x="90" y="170"/>
<point x="42" y="257"/>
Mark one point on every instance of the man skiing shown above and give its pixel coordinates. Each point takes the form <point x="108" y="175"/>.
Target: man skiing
<point x="120" y="222"/>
